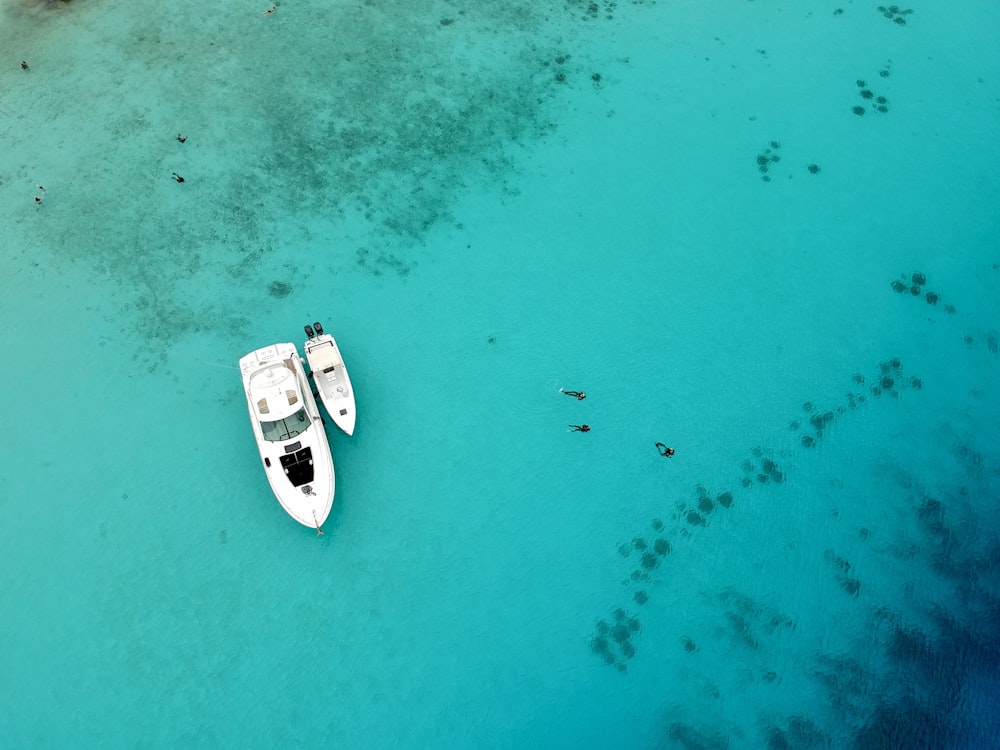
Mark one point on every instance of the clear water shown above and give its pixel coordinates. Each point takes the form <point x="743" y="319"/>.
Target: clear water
<point x="485" y="204"/>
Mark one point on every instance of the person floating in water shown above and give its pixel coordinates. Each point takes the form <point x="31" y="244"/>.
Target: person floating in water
<point x="578" y="395"/>
<point x="664" y="450"/>
<point x="579" y="428"/>
<point x="177" y="177"/>
<point x="270" y="10"/>
<point x="38" y="200"/>
<point x="181" y="138"/>
<point x="24" y="65"/>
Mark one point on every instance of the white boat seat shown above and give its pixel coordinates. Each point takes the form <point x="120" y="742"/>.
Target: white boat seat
<point x="323" y="356"/>
<point x="326" y="364"/>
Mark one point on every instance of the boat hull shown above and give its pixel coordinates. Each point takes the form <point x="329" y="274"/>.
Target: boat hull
<point x="288" y="428"/>
<point x="332" y="381"/>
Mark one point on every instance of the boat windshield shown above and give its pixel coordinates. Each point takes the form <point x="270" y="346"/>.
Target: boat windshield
<point x="287" y="428"/>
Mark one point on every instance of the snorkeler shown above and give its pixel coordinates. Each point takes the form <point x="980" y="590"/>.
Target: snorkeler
<point x="177" y="177"/>
<point x="579" y="428"/>
<point x="181" y="138"/>
<point x="24" y="65"/>
<point x="270" y="10"/>
<point x="578" y="395"/>
<point x="664" y="450"/>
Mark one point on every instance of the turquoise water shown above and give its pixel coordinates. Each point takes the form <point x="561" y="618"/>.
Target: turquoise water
<point x="485" y="204"/>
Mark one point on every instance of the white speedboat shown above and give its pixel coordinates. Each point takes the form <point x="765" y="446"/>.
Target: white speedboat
<point x="289" y="431"/>
<point x="330" y="375"/>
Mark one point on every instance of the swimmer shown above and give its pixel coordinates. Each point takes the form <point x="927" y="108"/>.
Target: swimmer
<point x="38" y="200"/>
<point x="24" y="65"/>
<point x="177" y="177"/>
<point x="181" y="138"/>
<point x="40" y="188"/>
<point x="579" y="428"/>
<point x="578" y="395"/>
<point x="664" y="450"/>
<point x="270" y="10"/>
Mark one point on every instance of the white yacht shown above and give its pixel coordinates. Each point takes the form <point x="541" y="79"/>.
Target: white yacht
<point x="330" y="375"/>
<point x="290" y="434"/>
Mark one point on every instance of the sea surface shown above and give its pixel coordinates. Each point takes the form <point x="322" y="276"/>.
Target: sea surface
<point x="763" y="234"/>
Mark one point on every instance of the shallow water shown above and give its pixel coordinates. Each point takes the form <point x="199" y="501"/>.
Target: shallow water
<point x="484" y="205"/>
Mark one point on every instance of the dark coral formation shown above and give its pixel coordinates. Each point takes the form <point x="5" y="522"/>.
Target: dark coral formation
<point x="694" y="518"/>
<point x="878" y="103"/>
<point x="914" y="285"/>
<point x="612" y="641"/>
<point x="895" y="14"/>
<point x="797" y="732"/>
<point x="848" y="582"/>
<point x="747" y="619"/>
<point x="279" y="289"/>
<point x="763" y="471"/>
<point x="382" y="263"/>
<point x="766" y="158"/>
<point x="771" y="470"/>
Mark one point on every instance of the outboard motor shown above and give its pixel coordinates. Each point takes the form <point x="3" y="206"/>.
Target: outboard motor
<point x="319" y="328"/>
<point x="309" y="330"/>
